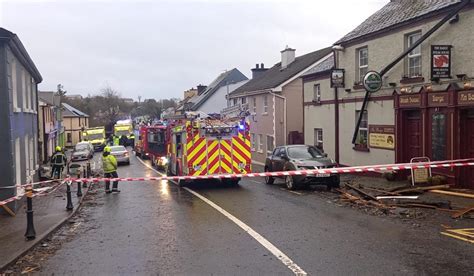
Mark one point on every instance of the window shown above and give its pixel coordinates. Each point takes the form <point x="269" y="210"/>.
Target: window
<point x="269" y="144"/>
<point x="363" y="62"/>
<point x="265" y="104"/>
<point x="438" y="137"/>
<point x="14" y="87"/>
<point x="234" y="101"/>
<point x="24" y="94"/>
<point x="318" y="138"/>
<point x="363" y="129"/>
<point x="69" y="138"/>
<point x="317" y="93"/>
<point x="27" y="155"/>
<point x="33" y="94"/>
<point x="252" y="140"/>
<point x="18" y="168"/>
<point x="260" y="143"/>
<point x="254" y="105"/>
<point x="414" y="57"/>
<point x="244" y="100"/>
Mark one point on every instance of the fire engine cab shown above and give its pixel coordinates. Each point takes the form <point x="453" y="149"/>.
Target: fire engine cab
<point x="151" y="144"/>
<point x="200" y="144"/>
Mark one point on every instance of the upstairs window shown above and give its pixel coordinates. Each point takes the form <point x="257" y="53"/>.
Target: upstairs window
<point x="414" y="57"/>
<point x="317" y="93"/>
<point x="254" y="105"/>
<point x="363" y="129"/>
<point x="363" y="62"/>
<point x="318" y="138"/>
<point x="244" y="100"/>
<point x="265" y="104"/>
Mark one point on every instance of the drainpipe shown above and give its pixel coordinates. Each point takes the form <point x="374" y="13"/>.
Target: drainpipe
<point x="284" y="118"/>
<point x="336" y="110"/>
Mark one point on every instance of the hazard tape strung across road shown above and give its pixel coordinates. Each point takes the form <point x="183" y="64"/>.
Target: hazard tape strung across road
<point x="342" y="170"/>
<point x="39" y="193"/>
<point x="32" y="184"/>
<point x="377" y="168"/>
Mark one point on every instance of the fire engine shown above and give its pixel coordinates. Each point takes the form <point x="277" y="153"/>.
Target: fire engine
<point x="199" y="144"/>
<point x="151" y="144"/>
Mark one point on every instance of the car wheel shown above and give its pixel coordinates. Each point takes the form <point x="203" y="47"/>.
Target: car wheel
<point x="269" y="179"/>
<point x="290" y="183"/>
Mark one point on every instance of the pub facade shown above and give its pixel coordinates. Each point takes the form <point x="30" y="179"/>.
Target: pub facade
<point x="425" y="107"/>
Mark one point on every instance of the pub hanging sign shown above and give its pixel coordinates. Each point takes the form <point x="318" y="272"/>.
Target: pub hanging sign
<point x="440" y="61"/>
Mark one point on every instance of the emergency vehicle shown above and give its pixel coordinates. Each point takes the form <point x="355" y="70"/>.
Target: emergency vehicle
<point x="125" y="128"/>
<point x="96" y="136"/>
<point x="203" y="145"/>
<point x="151" y="144"/>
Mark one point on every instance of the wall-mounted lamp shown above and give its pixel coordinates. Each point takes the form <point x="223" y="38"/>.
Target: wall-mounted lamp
<point x="461" y="76"/>
<point x="455" y="19"/>
<point x="429" y="87"/>
<point x="467" y="85"/>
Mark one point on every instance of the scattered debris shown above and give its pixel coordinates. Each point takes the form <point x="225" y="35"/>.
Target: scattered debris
<point x="421" y="189"/>
<point x="452" y="193"/>
<point x="462" y="212"/>
<point x="396" y="197"/>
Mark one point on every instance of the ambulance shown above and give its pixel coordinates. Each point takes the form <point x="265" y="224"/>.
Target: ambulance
<point x="199" y="144"/>
<point x="96" y="136"/>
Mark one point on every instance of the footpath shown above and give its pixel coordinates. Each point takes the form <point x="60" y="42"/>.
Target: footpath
<point x="49" y="213"/>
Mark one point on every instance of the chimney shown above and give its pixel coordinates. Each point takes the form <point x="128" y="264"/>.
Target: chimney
<point x="258" y="70"/>
<point x="201" y="89"/>
<point x="287" y="57"/>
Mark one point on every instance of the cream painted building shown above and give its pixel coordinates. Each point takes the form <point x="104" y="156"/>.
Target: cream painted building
<point x="74" y="123"/>
<point x="416" y="112"/>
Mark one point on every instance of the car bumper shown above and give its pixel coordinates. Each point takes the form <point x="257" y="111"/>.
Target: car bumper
<point x="322" y="178"/>
<point x="123" y="159"/>
<point x="79" y="158"/>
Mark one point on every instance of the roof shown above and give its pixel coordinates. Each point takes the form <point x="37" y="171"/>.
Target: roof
<point x="228" y="77"/>
<point x="20" y="52"/>
<point x="49" y="97"/>
<point x="397" y="12"/>
<point x="70" y="111"/>
<point x="322" y="67"/>
<point x="275" y="76"/>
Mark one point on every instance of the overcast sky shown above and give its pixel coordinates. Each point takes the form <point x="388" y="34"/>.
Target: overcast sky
<point x="158" y="49"/>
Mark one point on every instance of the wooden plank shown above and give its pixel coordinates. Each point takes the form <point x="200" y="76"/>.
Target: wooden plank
<point x="362" y="192"/>
<point x="462" y="212"/>
<point x="422" y="189"/>
<point x="452" y="193"/>
<point x="8" y="210"/>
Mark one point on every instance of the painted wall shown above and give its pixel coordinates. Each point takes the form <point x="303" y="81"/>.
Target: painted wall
<point x="73" y="126"/>
<point x="320" y="116"/>
<point x="294" y="101"/>
<point x="19" y="123"/>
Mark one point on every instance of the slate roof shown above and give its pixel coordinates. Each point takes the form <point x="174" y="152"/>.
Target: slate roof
<point x="229" y="77"/>
<point x="49" y="97"/>
<point x="70" y="111"/>
<point x="275" y="76"/>
<point x="396" y="12"/>
<point x="324" y="66"/>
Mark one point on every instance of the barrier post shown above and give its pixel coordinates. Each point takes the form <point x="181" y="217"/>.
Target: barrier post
<point x="69" y="205"/>
<point x="30" y="233"/>
<point x="88" y="173"/>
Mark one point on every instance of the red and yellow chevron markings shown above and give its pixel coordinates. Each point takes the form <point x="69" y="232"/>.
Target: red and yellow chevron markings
<point x="226" y="156"/>
<point x="213" y="156"/>
<point x="196" y="154"/>
<point x="241" y="156"/>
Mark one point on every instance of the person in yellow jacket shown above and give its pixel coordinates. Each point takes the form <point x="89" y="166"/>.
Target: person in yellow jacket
<point x="109" y="164"/>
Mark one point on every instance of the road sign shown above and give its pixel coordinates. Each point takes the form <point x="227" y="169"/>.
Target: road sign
<point x="372" y="81"/>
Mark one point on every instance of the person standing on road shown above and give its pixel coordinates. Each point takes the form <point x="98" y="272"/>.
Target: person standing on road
<point x="58" y="161"/>
<point x="109" y="164"/>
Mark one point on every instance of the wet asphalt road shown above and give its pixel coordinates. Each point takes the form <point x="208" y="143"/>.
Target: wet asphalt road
<point x="159" y="228"/>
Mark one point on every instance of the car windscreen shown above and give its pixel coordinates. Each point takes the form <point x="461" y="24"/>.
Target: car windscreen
<point x="81" y="147"/>
<point x="117" y="149"/>
<point x="95" y="136"/>
<point x="304" y="152"/>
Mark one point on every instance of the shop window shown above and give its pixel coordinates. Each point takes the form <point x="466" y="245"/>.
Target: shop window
<point x="318" y="138"/>
<point x="317" y="93"/>
<point x="363" y="129"/>
<point x="414" y="57"/>
<point x="265" y="104"/>
<point x="269" y="144"/>
<point x="438" y="136"/>
<point x="362" y="63"/>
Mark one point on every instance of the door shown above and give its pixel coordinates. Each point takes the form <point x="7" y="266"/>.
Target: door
<point x="279" y="159"/>
<point x="467" y="147"/>
<point x="412" y="135"/>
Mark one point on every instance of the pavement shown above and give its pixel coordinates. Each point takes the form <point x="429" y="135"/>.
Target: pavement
<point x="207" y="228"/>
<point x="49" y="214"/>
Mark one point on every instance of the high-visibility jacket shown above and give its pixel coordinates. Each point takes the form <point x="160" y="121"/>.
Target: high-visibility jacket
<point x="58" y="159"/>
<point x="116" y="141"/>
<point x="109" y="163"/>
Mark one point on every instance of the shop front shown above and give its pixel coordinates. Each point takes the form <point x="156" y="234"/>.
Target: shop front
<point x="439" y="125"/>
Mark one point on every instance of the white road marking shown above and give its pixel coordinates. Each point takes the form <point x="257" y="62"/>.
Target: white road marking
<point x="259" y="238"/>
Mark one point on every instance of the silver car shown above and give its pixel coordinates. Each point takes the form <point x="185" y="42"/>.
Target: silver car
<point x="121" y="154"/>
<point x="82" y="151"/>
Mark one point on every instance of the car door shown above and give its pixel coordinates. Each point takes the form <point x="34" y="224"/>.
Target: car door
<point x="277" y="160"/>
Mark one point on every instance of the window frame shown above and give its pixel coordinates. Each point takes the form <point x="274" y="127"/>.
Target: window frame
<point x="252" y="141"/>
<point x="362" y="129"/>
<point x="254" y="106"/>
<point x="260" y="143"/>
<point x="317" y="93"/>
<point x="270" y="150"/>
<point x="318" y="143"/>
<point x="265" y="104"/>
<point x="415" y="54"/>
<point x="362" y="67"/>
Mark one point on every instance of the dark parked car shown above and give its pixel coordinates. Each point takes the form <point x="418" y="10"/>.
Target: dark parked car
<point x="301" y="157"/>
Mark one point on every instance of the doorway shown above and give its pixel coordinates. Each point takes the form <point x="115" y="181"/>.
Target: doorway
<point x="411" y="135"/>
<point x="467" y="147"/>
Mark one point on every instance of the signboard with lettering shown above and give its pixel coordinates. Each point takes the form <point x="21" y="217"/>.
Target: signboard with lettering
<point x="438" y="99"/>
<point x="410" y="100"/>
<point x="440" y="61"/>
<point x="337" y="78"/>
<point x="466" y="98"/>
<point x="382" y="137"/>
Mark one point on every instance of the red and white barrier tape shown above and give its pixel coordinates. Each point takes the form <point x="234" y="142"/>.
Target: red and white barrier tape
<point x="376" y="168"/>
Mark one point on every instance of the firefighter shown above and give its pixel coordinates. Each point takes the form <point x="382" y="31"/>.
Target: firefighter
<point x="109" y="164"/>
<point x="58" y="161"/>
